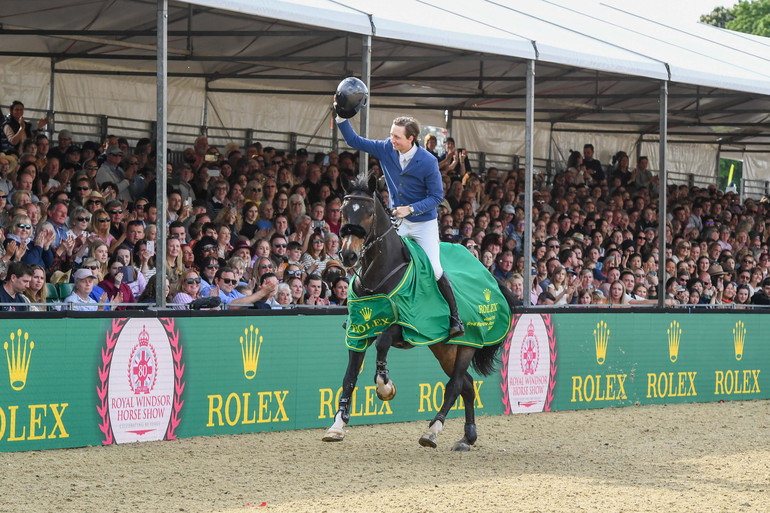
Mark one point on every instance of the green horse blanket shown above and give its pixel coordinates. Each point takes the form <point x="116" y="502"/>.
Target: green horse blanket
<point x="416" y="304"/>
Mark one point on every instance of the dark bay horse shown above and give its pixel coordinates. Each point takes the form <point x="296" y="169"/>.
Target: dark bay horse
<point x="371" y="243"/>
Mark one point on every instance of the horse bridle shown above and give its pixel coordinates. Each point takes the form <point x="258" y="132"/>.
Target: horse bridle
<point x="358" y="231"/>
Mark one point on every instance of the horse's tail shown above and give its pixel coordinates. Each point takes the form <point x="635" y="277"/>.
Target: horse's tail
<point x="485" y="360"/>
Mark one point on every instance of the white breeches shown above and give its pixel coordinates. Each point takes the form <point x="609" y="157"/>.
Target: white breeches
<point x="426" y="235"/>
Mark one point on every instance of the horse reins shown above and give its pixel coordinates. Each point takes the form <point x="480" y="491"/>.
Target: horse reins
<point x="357" y="230"/>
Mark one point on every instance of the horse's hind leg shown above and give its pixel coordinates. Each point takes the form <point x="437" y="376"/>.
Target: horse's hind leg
<point x="386" y="389"/>
<point x="336" y="433"/>
<point x="454" y="387"/>
<point x="469" y="397"/>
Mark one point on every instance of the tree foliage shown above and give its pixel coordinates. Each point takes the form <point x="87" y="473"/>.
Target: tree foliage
<point x="749" y="16"/>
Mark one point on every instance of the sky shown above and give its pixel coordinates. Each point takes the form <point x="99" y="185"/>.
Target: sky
<point x="681" y="11"/>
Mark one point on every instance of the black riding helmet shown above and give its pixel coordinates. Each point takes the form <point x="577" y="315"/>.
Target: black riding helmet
<point x="351" y="95"/>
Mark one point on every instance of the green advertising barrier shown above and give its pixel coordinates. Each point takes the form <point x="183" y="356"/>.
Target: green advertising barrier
<point x="586" y="360"/>
<point x="78" y="382"/>
<point x="75" y="382"/>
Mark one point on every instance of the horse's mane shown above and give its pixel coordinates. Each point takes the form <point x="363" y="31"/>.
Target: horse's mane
<point x="360" y="185"/>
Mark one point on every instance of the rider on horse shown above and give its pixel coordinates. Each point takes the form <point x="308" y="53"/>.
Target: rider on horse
<point x="415" y="187"/>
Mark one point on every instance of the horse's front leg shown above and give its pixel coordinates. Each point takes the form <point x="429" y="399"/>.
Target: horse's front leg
<point x="336" y="433"/>
<point x="386" y="390"/>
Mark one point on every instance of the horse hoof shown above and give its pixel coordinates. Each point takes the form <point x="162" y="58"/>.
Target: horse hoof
<point x="461" y="446"/>
<point x="385" y="391"/>
<point x="428" y="439"/>
<point x="333" y="435"/>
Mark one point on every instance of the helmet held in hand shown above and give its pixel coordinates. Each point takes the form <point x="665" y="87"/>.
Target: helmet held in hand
<point x="351" y="95"/>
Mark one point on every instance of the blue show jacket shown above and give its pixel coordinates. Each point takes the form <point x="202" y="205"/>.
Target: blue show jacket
<point x="418" y="185"/>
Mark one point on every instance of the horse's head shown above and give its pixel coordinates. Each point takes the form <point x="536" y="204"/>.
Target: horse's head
<point x="359" y="211"/>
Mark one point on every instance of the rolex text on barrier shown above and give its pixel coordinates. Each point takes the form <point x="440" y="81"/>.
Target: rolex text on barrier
<point x="76" y="382"/>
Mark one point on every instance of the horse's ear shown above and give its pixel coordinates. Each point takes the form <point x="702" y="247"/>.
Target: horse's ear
<point x="372" y="183"/>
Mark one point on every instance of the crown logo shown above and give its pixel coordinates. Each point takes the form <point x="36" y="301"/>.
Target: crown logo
<point x="601" y="339"/>
<point x="674" y="335"/>
<point x="739" y="337"/>
<point x="144" y="337"/>
<point x="487" y="294"/>
<point x="18" y="359"/>
<point x="367" y="313"/>
<point x="250" y="348"/>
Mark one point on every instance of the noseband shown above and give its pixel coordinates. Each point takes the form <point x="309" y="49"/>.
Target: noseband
<point x="359" y="231"/>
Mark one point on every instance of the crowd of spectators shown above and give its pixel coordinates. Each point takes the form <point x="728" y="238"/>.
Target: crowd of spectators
<point x="258" y="227"/>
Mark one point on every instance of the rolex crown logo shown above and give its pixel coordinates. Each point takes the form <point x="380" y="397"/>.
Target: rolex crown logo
<point x="601" y="338"/>
<point x="674" y="336"/>
<point x="251" y="343"/>
<point x="367" y="313"/>
<point x="739" y="338"/>
<point x="487" y="294"/>
<point x="18" y="359"/>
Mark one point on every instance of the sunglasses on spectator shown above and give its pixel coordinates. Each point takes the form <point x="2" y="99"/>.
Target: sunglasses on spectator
<point x="208" y="247"/>
<point x="93" y="202"/>
<point x="81" y="219"/>
<point x="279" y="245"/>
<point x="116" y="212"/>
<point x="3" y="196"/>
<point x="214" y="266"/>
<point x="265" y="266"/>
<point x="140" y="207"/>
<point x="294" y="273"/>
<point x="228" y="281"/>
<point x="91" y="168"/>
<point x="82" y="188"/>
<point x="318" y="241"/>
<point x="91" y="267"/>
<point x="25" y="226"/>
<point x="190" y="281"/>
<point x="104" y="220"/>
<point x="295" y="203"/>
<point x="255" y="189"/>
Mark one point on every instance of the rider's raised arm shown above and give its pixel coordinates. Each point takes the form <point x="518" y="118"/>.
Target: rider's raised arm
<point x="375" y="148"/>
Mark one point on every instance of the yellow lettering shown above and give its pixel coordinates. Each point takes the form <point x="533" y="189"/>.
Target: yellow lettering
<point x="651" y="381"/>
<point x="2" y="423"/>
<point x="35" y="420"/>
<point x="215" y="409"/>
<point x="719" y="385"/>
<point x="680" y="384"/>
<point x="385" y="406"/>
<point x="610" y="386"/>
<point x="755" y="374"/>
<point x="246" y="419"/>
<point x="477" y="389"/>
<point x="57" y="418"/>
<point x="237" y="399"/>
<point x="577" y="388"/>
<point x="621" y="386"/>
<point x="691" y="377"/>
<point x="424" y="397"/>
<point x="280" y="397"/>
<point x="371" y="393"/>
<point x="599" y="397"/>
<point x="436" y="403"/>
<point x="326" y="402"/>
<point x="12" y="435"/>
<point x="264" y="403"/>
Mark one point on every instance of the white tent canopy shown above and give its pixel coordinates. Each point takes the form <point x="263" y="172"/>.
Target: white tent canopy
<point x="273" y="64"/>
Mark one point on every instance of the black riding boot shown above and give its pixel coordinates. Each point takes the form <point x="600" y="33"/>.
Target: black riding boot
<point x="456" y="328"/>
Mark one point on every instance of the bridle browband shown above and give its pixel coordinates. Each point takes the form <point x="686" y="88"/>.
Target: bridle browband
<point x="360" y="232"/>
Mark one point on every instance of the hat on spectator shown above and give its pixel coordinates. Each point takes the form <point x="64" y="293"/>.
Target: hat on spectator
<point x="12" y="160"/>
<point x="240" y="245"/>
<point x="716" y="270"/>
<point x="302" y="152"/>
<point x="445" y="205"/>
<point x="578" y="237"/>
<point x="564" y="216"/>
<point x="509" y="209"/>
<point x="95" y="196"/>
<point x="114" y="150"/>
<point x="65" y="133"/>
<point x="61" y="277"/>
<point x="81" y="274"/>
<point x="334" y="263"/>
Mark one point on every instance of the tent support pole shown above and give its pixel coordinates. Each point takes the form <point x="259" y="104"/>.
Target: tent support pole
<point x="51" y="102"/>
<point x="662" y="179"/>
<point x="529" y="134"/>
<point x="366" y="77"/>
<point x="161" y="144"/>
<point x="205" y="109"/>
